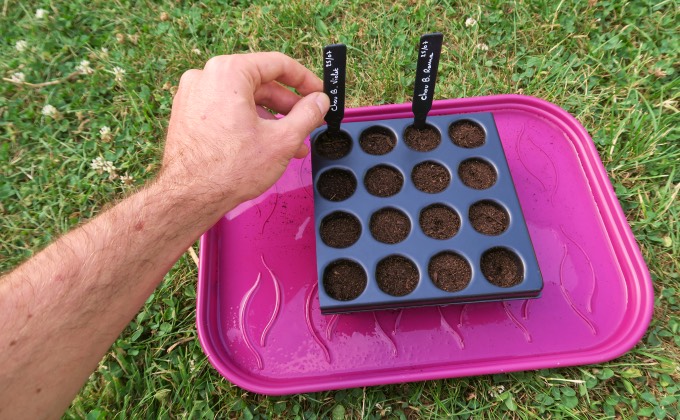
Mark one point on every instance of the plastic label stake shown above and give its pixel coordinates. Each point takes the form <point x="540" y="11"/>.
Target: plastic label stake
<point x="426" y="76"/>
<point x="334" y="70"/>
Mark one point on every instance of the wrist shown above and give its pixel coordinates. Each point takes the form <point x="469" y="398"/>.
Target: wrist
<point x="198" y="200"/>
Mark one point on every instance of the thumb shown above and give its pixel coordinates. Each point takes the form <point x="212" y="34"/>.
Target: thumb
<point x="306" y="115"/>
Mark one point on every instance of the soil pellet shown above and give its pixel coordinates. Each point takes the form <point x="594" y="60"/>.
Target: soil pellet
<point x="430" y="177"/>
<point x="397" y="275"/>
<point x="488" y="218"/>
<point x="422" y="139"/>
<point x="449" y="271"/>
<point x="336" y="184"/>
<point x="389" y="226"/>
<point x="383" y="181"/>
<point x="340" y="229"/>
<point x="477" y="174"/>
<point x="344" y="280"/>
<point x="377" y="141"/>
<point x="502" y="267"/>
<point x="466" y="134"/>
<point x="333" y="145"/>
<point x="439" y="221"/>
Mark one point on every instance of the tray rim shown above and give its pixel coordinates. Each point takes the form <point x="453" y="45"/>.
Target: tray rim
<point x="611" y="215"/>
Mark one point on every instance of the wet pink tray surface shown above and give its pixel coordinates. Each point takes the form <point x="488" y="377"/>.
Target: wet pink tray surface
<point x="258" y="314"/>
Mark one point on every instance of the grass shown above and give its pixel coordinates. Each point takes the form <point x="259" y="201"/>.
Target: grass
<point x="612" y="64"/>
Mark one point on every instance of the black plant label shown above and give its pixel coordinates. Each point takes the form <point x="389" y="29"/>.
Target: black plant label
<point x="334" y="70"/>
<point x="426" y="76"/>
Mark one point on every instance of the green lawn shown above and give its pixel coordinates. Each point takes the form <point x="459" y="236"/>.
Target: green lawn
<point x="612" y="64"/>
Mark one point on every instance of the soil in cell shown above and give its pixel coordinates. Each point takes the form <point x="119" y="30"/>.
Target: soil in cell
<point x="466" y="134"/>
<point x="389" y="225"/>
<point x="377" y="141"/>
<point x="502" y="267"/>
<point x="344" y="280"/>
<point x="439" y="221"/>
<point x="477" y="174"/>
<point x="336" y="184"/>
<point x="430" y="177"/>
<point x="422" y="139"/>
<point x="340" y="229"/>
<point x="397" y="275"/>
<point x="383" y="181"/>
<point x="449" y="271"/>
<point x="333" y="146"/>
<point x="488" y="218"/>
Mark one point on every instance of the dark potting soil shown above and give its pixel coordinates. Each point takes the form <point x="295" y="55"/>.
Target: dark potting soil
<point x="333" y="146"/>
<point x="340" y="229"/>
<point x="430" y="177"/>
<point x="396" y="275"/>
<point x="383" y="181"/>
<point x="502" y="267"/>
<point x="439" y="221"/>
<point x="336" y="184"/>
<point x="477" y="174"/>
<point x="466" y="134"/>
<point x="344" y="280"/>
<point x="488" y="218"/>
<point x="422" y="140"/>
<point x="449" y="271"/>
<point x="377" y="141"/>
<point x="389" y="226"/>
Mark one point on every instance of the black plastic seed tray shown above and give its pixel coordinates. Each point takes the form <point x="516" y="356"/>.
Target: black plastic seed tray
<point x="415" y="218"/>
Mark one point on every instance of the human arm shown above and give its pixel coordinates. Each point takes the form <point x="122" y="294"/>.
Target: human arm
<point x="61" y="310"/>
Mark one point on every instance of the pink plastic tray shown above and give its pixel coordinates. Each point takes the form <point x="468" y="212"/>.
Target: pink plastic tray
<point x="258" y="315"/>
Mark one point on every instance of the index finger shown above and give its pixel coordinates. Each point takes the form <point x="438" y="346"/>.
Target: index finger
<point x="274" y="66"/>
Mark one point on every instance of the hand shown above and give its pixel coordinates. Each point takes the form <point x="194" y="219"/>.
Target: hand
<point x="222" y="142"/>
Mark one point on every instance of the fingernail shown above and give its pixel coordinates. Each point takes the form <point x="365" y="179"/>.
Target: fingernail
<point x="322" y="102"/>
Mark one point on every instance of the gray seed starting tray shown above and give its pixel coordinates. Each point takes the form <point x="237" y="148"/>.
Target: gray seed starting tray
<point x="400" y="246"/>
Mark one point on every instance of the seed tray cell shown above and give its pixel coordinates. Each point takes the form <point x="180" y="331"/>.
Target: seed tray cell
<point x="383" y="234"/>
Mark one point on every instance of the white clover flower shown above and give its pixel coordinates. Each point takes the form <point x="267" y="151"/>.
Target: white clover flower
<point x="470" y="22"/>
<point x="84" y="67"/>
<point x="21" y="45"/>
<point x="109" y="168"/>
<point x="105" y="134"/>
<point x="127" y="179"/>
<point x="100" y="165"/>
<point x="49" y="111"/>
<point x="97" y="164"/>
<point x="119" y="73"/>
<point x="496" y="391"/>
<point x="17" y="77"/>
<point x="105" y="52"/>
<point x="40" y="13"/>
<point x="196" y="51"/>
<point x="482" y="47"/>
